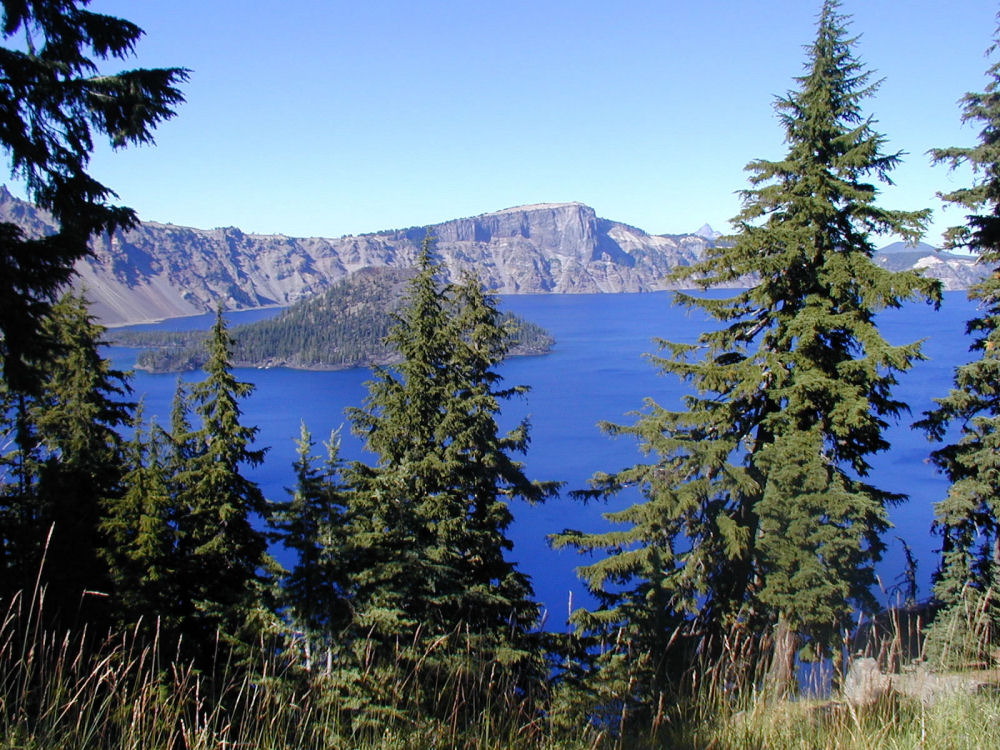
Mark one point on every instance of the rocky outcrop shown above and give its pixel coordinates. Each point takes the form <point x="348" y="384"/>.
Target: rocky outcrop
<point x="160" y="270"/>
<point x="954" y="271"/>
<point x="549" y="247"/>
<point x="865" y="683"/>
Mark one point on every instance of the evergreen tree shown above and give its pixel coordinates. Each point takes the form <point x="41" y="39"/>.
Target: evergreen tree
<point x="480" y="459"/>
<point x="400" y="584"/>
<point x="180" y="440"/>
<point x="56" y="97"/>
<point x="756" y="513"/>
<point x="69" y="463"/>
<point x="225" y="568"/>
<point x="968" y="519"/>
<point x="140" y="528"/>
<point x="313" y="525"/>
<point x="428" y="523"/>
<point x="20" y="519"/>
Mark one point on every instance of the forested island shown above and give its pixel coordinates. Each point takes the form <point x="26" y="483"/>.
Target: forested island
<point x="344" y="327"/>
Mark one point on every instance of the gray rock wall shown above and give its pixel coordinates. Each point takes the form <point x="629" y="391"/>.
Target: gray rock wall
<point x="160" y="270"/>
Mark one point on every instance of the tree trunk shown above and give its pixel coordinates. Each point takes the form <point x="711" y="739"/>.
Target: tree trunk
<point x="780" y="679"/>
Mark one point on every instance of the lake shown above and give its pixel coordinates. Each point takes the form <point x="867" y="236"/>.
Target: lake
<point x="596" y="372"/>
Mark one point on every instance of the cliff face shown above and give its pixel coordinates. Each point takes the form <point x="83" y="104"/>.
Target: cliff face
<point x="954" y="271"/>
<point x="560" y="248"/>
<point x="161" y="270"/>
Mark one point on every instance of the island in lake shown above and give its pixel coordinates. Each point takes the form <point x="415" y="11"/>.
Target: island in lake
<point x="341" y="328"/>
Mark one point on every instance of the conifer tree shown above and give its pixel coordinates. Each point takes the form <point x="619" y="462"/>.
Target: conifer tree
<point x="481" y="461"/>
<point x="77" y="416"/>
<point x="968" y="519"/>
<point x="756" y="513"/>
<point x="395" y="578"/>
<point x="57" y="96"/>
<point x="21" y="521"/>
<point x="312" y="524"/>
<point x="225" y="571"/>
<point x="180" y="441"/>
<point x="428" y="522"/>
<point x="140" y="532"/>
<point x="67" y="462"/>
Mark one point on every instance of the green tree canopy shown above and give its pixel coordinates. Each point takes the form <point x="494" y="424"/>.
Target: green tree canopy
<point x="219" y="503"/>
<point x="313" y="525"/>
<point x="756" y="512"/>
<point x="67" y="461"/>
<point x="969" y="517"/>
<point x="55" y="99"/>
<point x="140" y="529"/>
<point x="429" y="520"/>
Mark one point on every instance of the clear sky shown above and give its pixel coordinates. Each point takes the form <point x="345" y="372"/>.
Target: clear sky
<point x="330" y="118"/>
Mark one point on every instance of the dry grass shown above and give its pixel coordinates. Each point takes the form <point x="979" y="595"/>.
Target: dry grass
<point x="961" y="643"/>
<point x="75" y="690"/>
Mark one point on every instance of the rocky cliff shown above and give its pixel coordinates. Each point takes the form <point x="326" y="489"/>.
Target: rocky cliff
<point x="161" y="270"/>
<point x="954" y="271"/>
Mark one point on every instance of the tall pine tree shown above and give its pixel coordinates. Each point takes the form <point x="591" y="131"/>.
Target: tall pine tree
<point x="225" y="570"/>
<point x="968" y="519"/>
<point x="756" y="513"/>
<point x="141" y="535"/>
<point x="69" y="461"/>
<point x="57" y="96"/>
<point x="429" y="521"/>
<point x="313" y="525"/>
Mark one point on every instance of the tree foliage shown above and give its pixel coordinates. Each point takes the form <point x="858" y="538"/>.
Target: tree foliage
<point x="141" y="532"/>
<point x="968" y="519"/>
<point x="65" y="462"/>
<point x="55" y="99"/>
<point x="313" y="525"/>
<point x="63" y="403"/>
<point x="756" y="512"/>
<point x="429" y="521"/>
<point x="218" y="504"/>
<point x="184" y="549"/>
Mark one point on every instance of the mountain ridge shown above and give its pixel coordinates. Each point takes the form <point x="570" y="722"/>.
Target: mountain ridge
<point x="158" y="270"/>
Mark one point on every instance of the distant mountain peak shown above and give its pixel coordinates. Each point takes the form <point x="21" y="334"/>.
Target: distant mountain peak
<point x="159" y="270"/>
<point x="904" y="247"/>
<point x="530" y="207"/>
<point x="708" y="233"/>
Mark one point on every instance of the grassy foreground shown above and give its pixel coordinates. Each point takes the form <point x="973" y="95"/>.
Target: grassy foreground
<point x="72" y="691"/>
<point x="957" y="723"/>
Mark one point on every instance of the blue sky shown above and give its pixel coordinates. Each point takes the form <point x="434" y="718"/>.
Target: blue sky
<point x="332" y="118"/>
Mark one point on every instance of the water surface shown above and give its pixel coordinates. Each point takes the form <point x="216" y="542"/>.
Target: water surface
<point x="596" y="372"/>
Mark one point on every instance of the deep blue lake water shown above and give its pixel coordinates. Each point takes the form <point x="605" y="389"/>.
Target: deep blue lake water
<point x="596" y="372"/>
